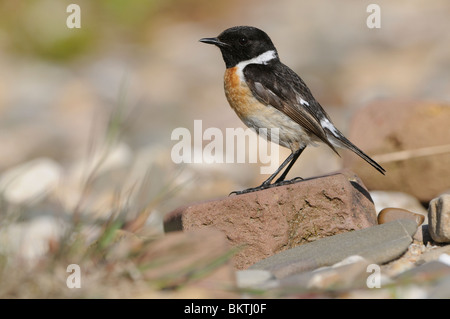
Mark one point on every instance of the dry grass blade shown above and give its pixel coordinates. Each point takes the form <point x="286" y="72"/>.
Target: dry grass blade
<point x="409" y="154"/>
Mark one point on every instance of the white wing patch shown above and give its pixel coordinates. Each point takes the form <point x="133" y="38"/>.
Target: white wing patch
<point x="327" y="124"/>
<point x="301" y="100"/>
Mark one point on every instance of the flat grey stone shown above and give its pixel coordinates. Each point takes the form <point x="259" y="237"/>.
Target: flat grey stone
<point x="378" y="244"/>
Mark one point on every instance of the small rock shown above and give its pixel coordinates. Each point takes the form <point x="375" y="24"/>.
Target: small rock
<point x="252" y="278"/>
<point x="410" y="206"/>
<point x="31" y="181"/>
<point x="439" y="219"/>
<point x="384" y="199"/>
<point x="377" y="244"/>
<point x="445" y="259"/>
<point x="389" y="214"/>
<point x="269" y="221"/>
<point x="29" y="240"/>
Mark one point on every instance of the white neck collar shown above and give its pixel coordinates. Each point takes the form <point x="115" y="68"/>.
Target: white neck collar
<point x="263" y="58"/>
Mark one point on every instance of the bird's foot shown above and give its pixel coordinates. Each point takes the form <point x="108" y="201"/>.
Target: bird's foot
<point x="266" y="186"/>
<point x="253" y="189"/>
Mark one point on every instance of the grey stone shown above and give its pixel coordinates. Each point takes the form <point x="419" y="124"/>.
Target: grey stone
<point x="439" y="219"/>
<point x="377" y="244"/>
<point x="252" y="278"/>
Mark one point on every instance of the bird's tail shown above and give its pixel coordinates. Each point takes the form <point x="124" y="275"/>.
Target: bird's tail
<point x="340" y="140"/>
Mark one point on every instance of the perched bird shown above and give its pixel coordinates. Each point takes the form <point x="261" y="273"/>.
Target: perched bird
<point x="265" y="93"/>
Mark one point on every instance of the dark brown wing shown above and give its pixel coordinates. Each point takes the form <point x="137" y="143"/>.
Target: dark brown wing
<point x="276" y="85"/>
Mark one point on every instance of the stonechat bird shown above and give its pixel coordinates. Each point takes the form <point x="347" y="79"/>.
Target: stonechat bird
<point x="265" y="93"/>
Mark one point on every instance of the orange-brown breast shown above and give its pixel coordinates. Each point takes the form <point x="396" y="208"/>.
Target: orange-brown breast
<point x="239" y="95"/>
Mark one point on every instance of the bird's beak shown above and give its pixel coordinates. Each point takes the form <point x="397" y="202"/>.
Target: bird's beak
<point x="214" y="41"/>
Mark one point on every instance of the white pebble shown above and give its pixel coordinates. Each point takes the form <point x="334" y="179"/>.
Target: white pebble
<point x="30" y="181"/>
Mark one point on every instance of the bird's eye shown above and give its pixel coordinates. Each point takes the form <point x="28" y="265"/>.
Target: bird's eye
<point x="243" y="41"/>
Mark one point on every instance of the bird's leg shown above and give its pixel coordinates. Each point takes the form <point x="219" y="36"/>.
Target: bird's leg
<point x="286" y="161"/>
<point x="295" y="156"/>
<point x="266" y="184"/>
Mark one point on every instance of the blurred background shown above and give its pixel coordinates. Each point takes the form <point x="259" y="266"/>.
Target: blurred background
<point x="135" y="71"/>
